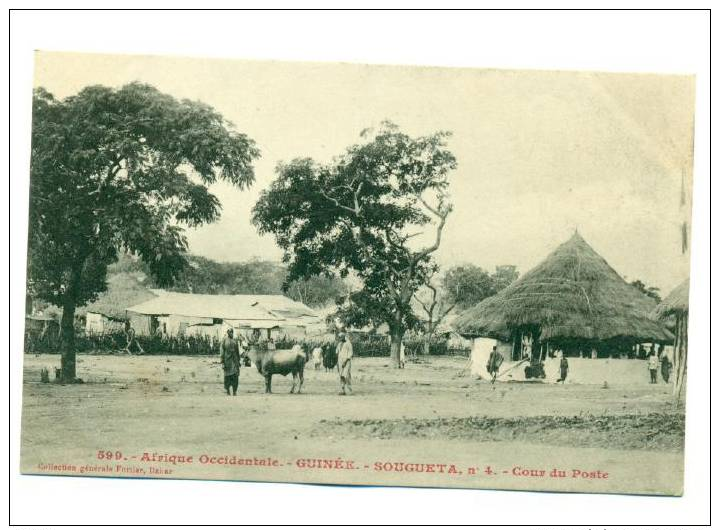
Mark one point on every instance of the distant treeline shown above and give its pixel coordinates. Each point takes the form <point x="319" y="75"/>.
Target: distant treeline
<point x="206" y="276"/>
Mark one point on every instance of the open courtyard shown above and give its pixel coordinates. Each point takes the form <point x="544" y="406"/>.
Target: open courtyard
<point x="430" y="424"/>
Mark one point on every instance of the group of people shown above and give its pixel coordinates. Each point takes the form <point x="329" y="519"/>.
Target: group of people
<point x="234" y="353"/>
<point x="496" y="360"/>
<point x="663" y="361"/>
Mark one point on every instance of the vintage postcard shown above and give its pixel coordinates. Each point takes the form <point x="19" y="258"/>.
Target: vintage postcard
<point x="357" y="274"/>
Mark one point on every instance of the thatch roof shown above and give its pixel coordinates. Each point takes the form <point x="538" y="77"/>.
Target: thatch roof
<point x="573" y="294"/>
<point x="675" y="303"/>
<point x="124" y="290"/>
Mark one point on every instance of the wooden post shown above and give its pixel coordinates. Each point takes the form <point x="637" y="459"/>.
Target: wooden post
<point x="675" y="347"/>
<point x="682" y="357"/>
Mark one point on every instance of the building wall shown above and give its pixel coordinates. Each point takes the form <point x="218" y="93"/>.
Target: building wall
<point x="94" y="323"/>
<point x="140" y="323"/>
<point x="480" y="354"/>
<point x="178" y="324"/>
<point x="99" y="323"/>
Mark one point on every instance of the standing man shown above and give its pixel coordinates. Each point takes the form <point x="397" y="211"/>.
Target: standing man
<point x="653" y="366"/>
<point x="564" y="368"/>
<point x="230" y="360"/>
<point x="665" y="364"/>
<point x="345" y="353"/>
<point x="494" y="362"/>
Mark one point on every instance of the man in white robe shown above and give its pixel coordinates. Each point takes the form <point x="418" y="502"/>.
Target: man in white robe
<point x="344" y="363"/>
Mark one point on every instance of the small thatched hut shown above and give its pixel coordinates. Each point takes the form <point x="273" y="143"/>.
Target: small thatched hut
<point x="572" y="299"/>
<point x="676" y="305"/>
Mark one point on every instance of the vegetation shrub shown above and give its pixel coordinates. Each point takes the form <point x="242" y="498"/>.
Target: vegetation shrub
<point x="115" y="342"/>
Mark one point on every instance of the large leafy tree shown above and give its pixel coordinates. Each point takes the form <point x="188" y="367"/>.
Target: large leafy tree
<point x="466" y="285"/>
<point x="361" y="213"/>
<point x="316" y="290"/>
<point x="121" y="170"/>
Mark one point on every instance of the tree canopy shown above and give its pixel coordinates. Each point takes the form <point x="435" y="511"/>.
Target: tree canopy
<point x="467" y="285"/>
<point x="121" y="170"/>
<point x="652" y="292"/>
<point x="360" y="213"/>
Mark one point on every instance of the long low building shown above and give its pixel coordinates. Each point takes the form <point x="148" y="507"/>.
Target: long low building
<point x="171" y="313"/>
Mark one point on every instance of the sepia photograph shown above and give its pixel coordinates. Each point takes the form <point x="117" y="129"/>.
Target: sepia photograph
<point x="338" y="273"/>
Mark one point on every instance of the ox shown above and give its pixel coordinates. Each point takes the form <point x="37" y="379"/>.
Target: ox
<point x="282" y="362"/>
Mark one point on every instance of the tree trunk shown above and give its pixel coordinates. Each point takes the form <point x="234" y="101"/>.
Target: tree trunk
<point x="67" y="330"/>
<point x="395" y="341"/>
<point x="426" y="344"/>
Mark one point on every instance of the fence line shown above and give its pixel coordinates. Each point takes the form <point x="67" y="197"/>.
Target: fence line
<point x="114" y="342"/>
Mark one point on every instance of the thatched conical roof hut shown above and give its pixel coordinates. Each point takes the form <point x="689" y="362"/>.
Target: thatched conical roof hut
<point x="573" y="294"/>
<point x="676" y="305"/>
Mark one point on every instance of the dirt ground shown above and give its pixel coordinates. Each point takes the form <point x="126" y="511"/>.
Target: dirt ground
<point x="426" y="425"/>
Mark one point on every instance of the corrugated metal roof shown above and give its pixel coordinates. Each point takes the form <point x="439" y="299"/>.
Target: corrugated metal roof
<point x="231" y="307"/>
<point x="45" y="318"/>
<point x="283" y="304"/>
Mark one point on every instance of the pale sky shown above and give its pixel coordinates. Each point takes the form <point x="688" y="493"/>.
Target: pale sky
<point x="539" y="153"/>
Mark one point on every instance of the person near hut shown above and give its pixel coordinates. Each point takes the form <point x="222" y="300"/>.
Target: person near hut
<point x="527" y="344"/>
<point x="652" y="364"/>
<point x="402" y="354"/>
<point x="665" y="364"/>
<point x="131" y="339"/>
<point x="493" y="365"/>
<point x="344" y="362"/>
<point x="329" y="356"/>
<point x="230" y="360"/>
<point x="564" y="368"/>
<point x="551" y="365"/>
<point x="244" y="347"/>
